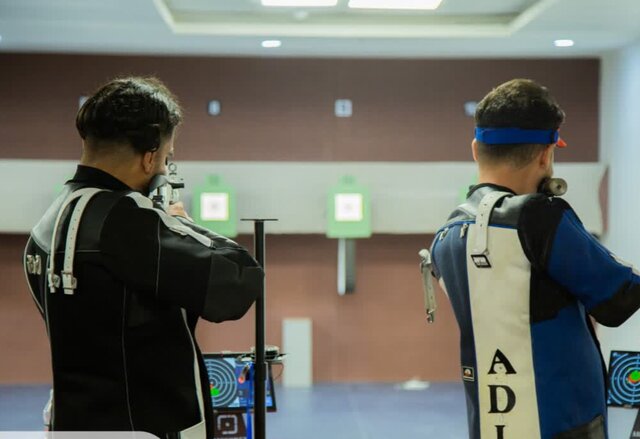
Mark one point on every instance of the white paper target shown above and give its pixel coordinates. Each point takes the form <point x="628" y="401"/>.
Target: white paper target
<point x="349" y="207"/>
<point x="214" y="207"/>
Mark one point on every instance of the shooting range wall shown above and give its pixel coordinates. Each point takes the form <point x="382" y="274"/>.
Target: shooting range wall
<point x="281" y="111"/>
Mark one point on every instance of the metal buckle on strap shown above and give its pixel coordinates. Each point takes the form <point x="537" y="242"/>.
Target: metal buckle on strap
<point x="69" y="282"/>
<point x="34" y="264"/>
<point x="425" y="262"/>
<point x="54" y="281"/>
<point x="37" y="265"/>
<point x="29" y="263"/>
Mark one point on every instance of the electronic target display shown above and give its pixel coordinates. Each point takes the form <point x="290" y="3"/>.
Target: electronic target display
<point x="624" y="379"/>
<point x="230" y="391"/>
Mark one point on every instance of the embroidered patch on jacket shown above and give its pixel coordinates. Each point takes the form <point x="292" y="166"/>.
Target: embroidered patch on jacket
<point x="468" y="373"/>
<point x="481" y="261"/>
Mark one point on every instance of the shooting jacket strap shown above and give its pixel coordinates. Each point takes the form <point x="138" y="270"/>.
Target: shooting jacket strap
<point x="430" y="304"/>
<point x="489" y="201"/>
<point x="53" y="279"/>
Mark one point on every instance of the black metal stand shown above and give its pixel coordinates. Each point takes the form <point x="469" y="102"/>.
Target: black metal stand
<point x="260" y="377"/>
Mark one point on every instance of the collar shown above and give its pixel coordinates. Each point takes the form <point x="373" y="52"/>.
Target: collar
<point x="491" y="186"/>
<point x="89" y="176"/>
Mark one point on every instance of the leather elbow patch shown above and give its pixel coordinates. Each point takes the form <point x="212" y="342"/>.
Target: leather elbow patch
<point x="622" y="305"/>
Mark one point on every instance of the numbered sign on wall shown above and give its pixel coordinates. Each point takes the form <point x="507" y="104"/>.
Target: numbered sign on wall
<point x="214" y="207"/>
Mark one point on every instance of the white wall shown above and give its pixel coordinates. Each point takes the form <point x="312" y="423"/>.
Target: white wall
<point x="620" y="148"/>
<point x="405" y="197"/>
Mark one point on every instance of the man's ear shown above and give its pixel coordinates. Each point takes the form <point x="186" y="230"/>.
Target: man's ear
<point x="148" y="161"/>
<point x="546" y="157"/>
<point x="474" y="149"/>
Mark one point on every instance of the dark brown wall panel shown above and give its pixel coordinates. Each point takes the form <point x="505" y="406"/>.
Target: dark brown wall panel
<point x="377" y="334"/>
<point x="282" y="109"/>
<point x="24" y="347"/>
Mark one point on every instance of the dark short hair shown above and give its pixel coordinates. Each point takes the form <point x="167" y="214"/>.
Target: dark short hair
<point x="141" y="112"/>
<point x="519" y="103"/>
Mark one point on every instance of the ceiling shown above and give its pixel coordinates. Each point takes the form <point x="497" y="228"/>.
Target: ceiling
<point x="459" y="28"/>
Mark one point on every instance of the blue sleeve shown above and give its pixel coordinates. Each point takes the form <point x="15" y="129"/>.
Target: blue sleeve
<point x="573" y="258"/>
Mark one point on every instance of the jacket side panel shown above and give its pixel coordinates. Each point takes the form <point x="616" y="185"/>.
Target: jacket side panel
<point x="450" y="266"/>
<point x="500" y="308"/>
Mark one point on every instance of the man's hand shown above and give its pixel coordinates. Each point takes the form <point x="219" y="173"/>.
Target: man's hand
<point x="177" y="209"/>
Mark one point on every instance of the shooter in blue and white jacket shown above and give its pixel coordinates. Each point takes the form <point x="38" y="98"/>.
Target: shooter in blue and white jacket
<point x="524" y="276"/>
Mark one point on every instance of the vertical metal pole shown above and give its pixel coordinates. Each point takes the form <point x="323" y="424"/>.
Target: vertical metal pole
<point x="260" y="410"/>
<point x="346" y="266"/>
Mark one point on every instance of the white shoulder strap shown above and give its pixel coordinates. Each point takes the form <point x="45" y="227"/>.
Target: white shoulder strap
<point x="480" y="249"/>
<point x="141" y="200"/>
<point x="69" y="281"/>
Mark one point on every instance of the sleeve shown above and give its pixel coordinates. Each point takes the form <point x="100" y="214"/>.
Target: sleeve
<point x="432" y="251"/>
<point x="215" y="237"/>
<point x="155" y="253"/>
<point x="557" y="243"/>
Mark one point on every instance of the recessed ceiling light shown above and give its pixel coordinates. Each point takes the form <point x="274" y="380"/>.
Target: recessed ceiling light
<point x="271" y="44"/>
<point x="563" y="43"/>
<point x="395" y="4"/>
<point x="300" y="3"/>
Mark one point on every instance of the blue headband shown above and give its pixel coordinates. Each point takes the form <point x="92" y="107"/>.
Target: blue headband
<point x="512" y="136"/>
